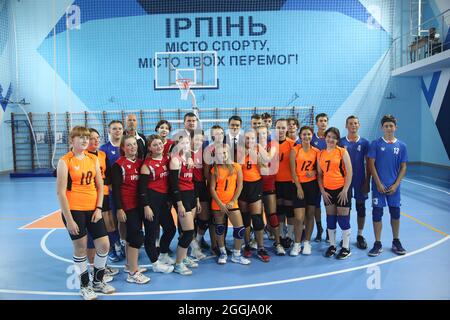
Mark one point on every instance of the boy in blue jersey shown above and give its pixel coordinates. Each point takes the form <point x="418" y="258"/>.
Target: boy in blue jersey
<point x="318" y="141"/>
<point x="358" y="147"/>
<point x="112" y="150"/>
<point x="387" y="162"/>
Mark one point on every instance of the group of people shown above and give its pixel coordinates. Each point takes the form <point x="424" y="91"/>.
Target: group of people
<point x="118" y="197"/>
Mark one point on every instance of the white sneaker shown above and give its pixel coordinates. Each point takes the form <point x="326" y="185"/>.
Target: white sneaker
<point x="164" y="258"/>
<point x="182" y="269"/>
<point x="103" y="287"/>
<point x="306" y="248"/>
<point x="296" y="248"/>
<point x="190" y="263"/>
<point x="140" y="269"/>
<point x="280" y="250"/>
<point x="161" y="267"/>
<point x="107" y="278"/>
<point x="87" y="293"/>
<point x="197" y="253"/>
<point x="222" y="259"/>
<point x="138" y="278"/>
<point x="240" y="259"/>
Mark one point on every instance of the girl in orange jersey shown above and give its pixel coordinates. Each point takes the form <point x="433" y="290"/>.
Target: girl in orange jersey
<point x="250" y="199"/>
<point x="93" y="148"/>
<point x="284" y="185"/>
<point x="303" y="159"/>
<point x="335" y="178"/>
<point x="225" y="188"/>
<point x="80" y="194"/>
<point x="267" y="151"/>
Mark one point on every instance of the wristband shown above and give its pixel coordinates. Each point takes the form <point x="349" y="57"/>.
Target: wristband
<point x="100" y="208"/>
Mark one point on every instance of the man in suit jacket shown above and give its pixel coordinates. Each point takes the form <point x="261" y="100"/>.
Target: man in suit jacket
<point x="235" y="139"/>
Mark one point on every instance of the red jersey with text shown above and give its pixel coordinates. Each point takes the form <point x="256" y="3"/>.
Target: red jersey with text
<point x="159" y="174"/>
<point x="186" y="175"/>
<point x="197" y="156"/>
<point x="130" y="180"/>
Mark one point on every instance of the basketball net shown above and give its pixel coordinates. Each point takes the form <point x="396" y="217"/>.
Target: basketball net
<point x="185" y="87"/>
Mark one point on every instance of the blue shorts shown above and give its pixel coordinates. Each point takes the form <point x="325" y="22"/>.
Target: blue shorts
<point x="356" y="191"/>
<point x="379" y="200"/>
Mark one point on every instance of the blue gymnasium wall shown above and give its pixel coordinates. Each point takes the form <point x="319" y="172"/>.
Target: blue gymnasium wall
<point x="339" y="57"/>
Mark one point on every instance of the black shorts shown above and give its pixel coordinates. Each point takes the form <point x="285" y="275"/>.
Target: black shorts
<point x="201" y="191"/>
<point x="251" y="191"/>
<point x="189" y="200"/>
<point x="83" y="220"/>
<point x="311" y="193"/>
<point x="106" y="206"/>
<point x="268" y="193"/>
<point x="286" y="190"/>
<point x="334" y="197"/>
<point x="135" y="219"/>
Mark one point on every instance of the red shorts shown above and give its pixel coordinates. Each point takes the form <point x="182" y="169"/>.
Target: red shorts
<point x="268" y="183"/>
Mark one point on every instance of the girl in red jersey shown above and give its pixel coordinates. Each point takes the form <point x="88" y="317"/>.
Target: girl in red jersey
<point x="125" y="180"/>
<point x="154" y="197"/>
<point x="269" y="166"/>
<point x="201" y="191"/>
<point x="185" y="201"/>
<point x="163" y="128"/>
<point x="80" y="194"/>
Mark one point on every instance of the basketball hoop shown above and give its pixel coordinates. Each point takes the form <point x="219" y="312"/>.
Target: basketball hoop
<point x="184" y="84"/>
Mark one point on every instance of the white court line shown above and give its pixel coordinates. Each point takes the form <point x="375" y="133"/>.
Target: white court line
<point x="51" y="254"/>
<point x="255" y="285"/>
<point x="34" y="221"/>
<point x="424" y="185"/>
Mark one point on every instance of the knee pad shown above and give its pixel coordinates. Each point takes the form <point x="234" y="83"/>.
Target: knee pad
<point x="186" y="239"/>
<point x="203" y="224"/>
<point x="281" y="210"/>
<point x="258" y="223"/>
<point x="135" y="240"/>
<point x="361" y="209"/>
<point x="247" y="219"/>
<point x="395" y="213"/>
<point x="273" y="220"/>
<point x="377" y="214"/>
<point x="344" y="222"/>
<point x="220" y="229"/>
<point x="239" y="232"/>
<point x="331" y="222"/>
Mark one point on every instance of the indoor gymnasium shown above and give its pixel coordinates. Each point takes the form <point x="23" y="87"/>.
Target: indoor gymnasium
<point x="224" y="150"/>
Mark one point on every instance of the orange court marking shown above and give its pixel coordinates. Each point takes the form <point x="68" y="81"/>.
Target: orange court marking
<point x="50" y="221"/>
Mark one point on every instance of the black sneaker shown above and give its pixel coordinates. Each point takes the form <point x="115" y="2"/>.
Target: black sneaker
<point x="397" y="247"/>
<point x="376" y="250"/>
<point x="282" y="242"/>
<point x="288" y="243"/>
<point x="204" y="245"/>
<point x="344" y="253"/>
<point x="361" y="243"/>
<point x="319" y="235"/>
<point x="331" y="251"/>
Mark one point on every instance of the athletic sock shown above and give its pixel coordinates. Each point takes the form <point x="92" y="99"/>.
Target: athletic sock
<point x="360" y="232"/>
<point x="99" y="266"/>
<point x="346" y="239"/>
<point x="223" y="250"/>
<point x="332" y="236"/>
<point x="81" y="267"/>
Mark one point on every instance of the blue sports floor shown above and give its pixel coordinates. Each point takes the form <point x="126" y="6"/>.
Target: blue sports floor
<point x="36" y="262"/>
